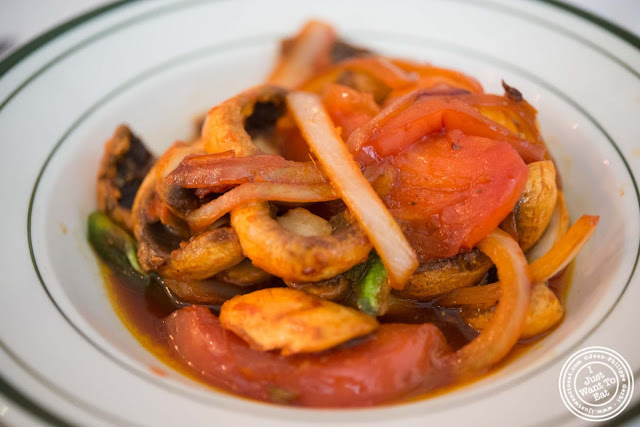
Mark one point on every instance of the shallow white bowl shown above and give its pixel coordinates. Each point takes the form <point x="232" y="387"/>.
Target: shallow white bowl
<point x="155" y="65"/>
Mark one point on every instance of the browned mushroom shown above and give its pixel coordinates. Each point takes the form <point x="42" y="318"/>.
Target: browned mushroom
<point x="439" y="276"/>
<point x="545" y="310"/>
<point x="244" y="274"/>
<point x="164" y="250"/>
<point x="124" y="164"/>
<point x="333" y="289"/>
<point x="208" y="292"/>
<point x="535" y="207"/>
<point x="294" y="257"/>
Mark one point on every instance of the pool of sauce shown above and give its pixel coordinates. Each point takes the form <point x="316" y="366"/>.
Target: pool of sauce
<point x="142" y="311"/>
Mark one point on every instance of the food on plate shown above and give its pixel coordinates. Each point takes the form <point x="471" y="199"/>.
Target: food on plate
<point x="357" y="230"/>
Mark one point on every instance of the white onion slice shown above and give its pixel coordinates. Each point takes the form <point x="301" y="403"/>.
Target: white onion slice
<point x="386" y="236"/>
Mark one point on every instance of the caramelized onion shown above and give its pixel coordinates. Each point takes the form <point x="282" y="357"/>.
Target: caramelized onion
<point x="304" y="55"/>
<point x="486" y="296"/>
<point x="383" y="231"/>
<point x="499" y="336"/>
<point x="217" y="172"/>
<point x="380" y="69"/>
<point x="565" y="250"/>
<point x="547" y="266"/>
<point x="257" y="191"/>
<point x="434" y="78"/>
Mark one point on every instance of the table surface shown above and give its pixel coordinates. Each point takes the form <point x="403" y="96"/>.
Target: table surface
<point x="22" y="20"/>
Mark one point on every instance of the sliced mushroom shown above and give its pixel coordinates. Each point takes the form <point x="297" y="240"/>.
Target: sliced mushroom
<point x="203" y="256"/>
<point x="207" y="292"/>
<point x="163" y="250"/>
<point x="232" y="124"/>
<point x="333" y="289"/>
<point x="557" y="227"/>
<point x="545" y="310"/>
<point x="244" y="274"/>
<point x="179" y="200"/>
<point x="294" y="257"/>
<point x="437" y="277"/>
<point x="155" y="241"/>
<point x="124" y="164"/>
<point x="535" y="207"/>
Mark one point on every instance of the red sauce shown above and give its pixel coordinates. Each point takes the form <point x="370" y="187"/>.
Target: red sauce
<point x="143" y="312"/>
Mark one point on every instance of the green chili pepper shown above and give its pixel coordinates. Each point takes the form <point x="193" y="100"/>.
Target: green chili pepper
<point x="116" y="247"/>
<point x="371" y="285"/>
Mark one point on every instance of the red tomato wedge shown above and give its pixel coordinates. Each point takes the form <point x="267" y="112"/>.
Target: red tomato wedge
<point x="451" y="190"/>
<point x="417" y="115"/>
<point x="387" y="365"/>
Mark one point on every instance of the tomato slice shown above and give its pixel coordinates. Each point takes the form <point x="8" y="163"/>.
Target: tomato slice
<point x="449" y="191"/>
<point x="419" y="114"/>
<point x="394" y="361"/>
<point x="348" y="108"/>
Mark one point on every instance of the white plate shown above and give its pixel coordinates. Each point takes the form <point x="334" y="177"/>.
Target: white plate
<point x="65" y="358"/>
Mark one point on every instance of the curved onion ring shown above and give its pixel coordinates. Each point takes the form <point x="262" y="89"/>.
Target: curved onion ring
<point x="379" y="68"/>
<point x="486" y="296"/>
<point x="497" y="339"/>
<point x="220" y="171"/>
<point x="207" y="292"/>
<point x="430" y="77"/>
<point x="565" y="250"/>
<point x="334" y="289"/>
<point x="547" y="266"/>
<point x="257" y="191"/>
<point x="244" y="274"/>
<point x="544" y="311"/>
